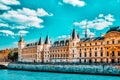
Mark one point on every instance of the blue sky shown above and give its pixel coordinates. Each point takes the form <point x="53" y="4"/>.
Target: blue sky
<point x="57" y="18"/>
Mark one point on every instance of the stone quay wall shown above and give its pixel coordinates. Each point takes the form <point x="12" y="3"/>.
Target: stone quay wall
<point x="84" y="69"/>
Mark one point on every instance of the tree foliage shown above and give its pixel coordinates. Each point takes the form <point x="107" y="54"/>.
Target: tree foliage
<point x="13" y="55"/>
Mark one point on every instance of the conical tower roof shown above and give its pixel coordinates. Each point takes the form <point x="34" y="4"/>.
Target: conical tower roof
<point x="74" y="35"/>
<point x="40" y="41"/>
<point x="21" y="38"/>
<point x="47" y="40"/>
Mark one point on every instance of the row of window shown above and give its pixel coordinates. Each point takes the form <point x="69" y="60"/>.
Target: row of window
<point x="91" y="49"/>
<point x="108" y="42"/>
<point x="90" y="44"/>
<point x="59" y="50"/>
<point x="57" y="55"/>
<point x="56" y="45"/>
<point x="95" y="60"/>
<point x="113" y="42"/>
<point x="101" y="54"/>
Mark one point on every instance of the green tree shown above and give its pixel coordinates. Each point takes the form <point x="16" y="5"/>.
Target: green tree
<point x="13" y="55"/>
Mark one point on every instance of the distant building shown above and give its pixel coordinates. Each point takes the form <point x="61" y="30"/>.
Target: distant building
<point x="105" y="48"/>
<point x="4" y="55"/>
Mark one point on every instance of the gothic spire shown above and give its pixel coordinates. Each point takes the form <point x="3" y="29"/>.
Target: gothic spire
<point x="40" y="41"/>
<point x="86" y="32"/>
<point x="47" y="40"/>
<point x="78" y="36"/>
<point x="74" y="35"/>
<point x="21" y="39"/>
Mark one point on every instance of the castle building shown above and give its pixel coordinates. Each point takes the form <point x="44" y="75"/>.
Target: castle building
<point x="102" y="49"/>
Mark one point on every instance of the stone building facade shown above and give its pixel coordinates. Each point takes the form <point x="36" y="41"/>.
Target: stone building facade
<point x="4" y="55"/>
<point x="105" y="48"/>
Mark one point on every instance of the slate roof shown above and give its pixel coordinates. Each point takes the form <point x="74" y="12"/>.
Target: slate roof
<point x="114" y="29"/>
<point x="32" y="44"/>
<point x="47" y="41"/>
<point x="91" y="39"/>
<point x="40" y="41"/>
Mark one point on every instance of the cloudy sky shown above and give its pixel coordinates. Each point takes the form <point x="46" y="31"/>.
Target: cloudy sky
<point x="35" y="18"/>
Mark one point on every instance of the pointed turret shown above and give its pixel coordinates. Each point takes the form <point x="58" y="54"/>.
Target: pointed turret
<point x="40" y="41"/>
<point x="47" y="40"/>
<point x="21" y="39"/>
<point x="74" y="35"/>
<point x="78" y="36"/>
<point x="86" y="32"/>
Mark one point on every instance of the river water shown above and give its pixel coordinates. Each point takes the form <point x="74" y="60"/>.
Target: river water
<point x="27" y="75"/>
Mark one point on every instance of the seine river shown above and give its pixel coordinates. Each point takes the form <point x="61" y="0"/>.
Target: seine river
<point x="27" y="75"/>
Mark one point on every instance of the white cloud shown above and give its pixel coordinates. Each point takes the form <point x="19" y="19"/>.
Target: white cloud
<point x="101" y="15"/>
<point x="98" y="23"/>
<point x="7" y="32"/>
<point x="109" y="17"/>
<point x="5" y="4"/>
<point x="23" y="32"/>
<point x="40" y="12"/>
<point x="4" y="7"/>
<point x="24" y="18"/>
<point x="10" y="2"/>
<point x="78" y="3"/>
<point x="12" y="34"/>
<point x="63" y="36"/>
<point x="89" y="33"/>
<point x="3" y="25"/>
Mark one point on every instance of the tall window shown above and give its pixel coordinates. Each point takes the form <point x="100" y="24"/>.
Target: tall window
<point x="85" y="54"/>
<point x="90" y="54"/>
<point x="113" y="53"/>
<point x="90" y="44"/>
<point x="90" y="49"/>
<point x="73" y="44"/>
<point x="95" y="43"/>
<point x="113" y="41"/>
<point x="95" y="54"/>
<point x="118" y="41"/>
<point x="118" y="53"/>
<point x="80" y="54"/>
<point x="101" y="53"/>
<point x="107" y="54"/>
<point x="73" y="51"/>
<point x="73" y="55"/>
